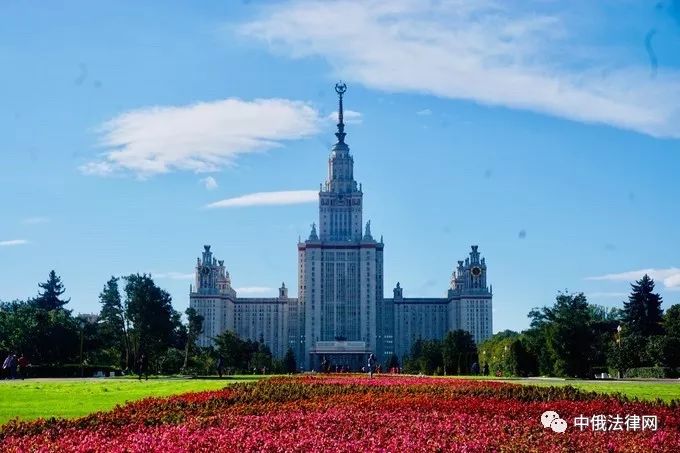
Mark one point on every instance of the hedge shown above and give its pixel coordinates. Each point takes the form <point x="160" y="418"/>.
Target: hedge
<point x="68" y="370"/>
<point x="652" y="372"/>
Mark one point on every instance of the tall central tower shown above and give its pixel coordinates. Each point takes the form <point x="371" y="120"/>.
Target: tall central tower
<point x="340" y="199"/>
<point x="340" y="271"/>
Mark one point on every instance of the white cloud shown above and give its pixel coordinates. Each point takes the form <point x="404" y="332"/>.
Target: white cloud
<point x="484" y="51"/>
<point x="268" y="199"/>
<point x="173" y="275"/>
<point x="348" y="117"/>
<point x="670" y="277"/>
<point x="13" y="242"/>
<point x="199" y="137"/>
<point x="35" y="220"/>
<point x="253" y="290"/>
<point x="209" y="183"/>
<point x="424" y="112"/>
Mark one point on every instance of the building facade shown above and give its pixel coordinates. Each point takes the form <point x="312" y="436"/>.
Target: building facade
<point x="340" y="313"/>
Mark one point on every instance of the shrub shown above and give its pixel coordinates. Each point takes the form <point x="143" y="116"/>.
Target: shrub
<point x="69" y="370"/>
<point x="652" y="372"/>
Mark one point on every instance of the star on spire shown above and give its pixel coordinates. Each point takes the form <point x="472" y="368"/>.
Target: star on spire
<point x="340" y="88"/>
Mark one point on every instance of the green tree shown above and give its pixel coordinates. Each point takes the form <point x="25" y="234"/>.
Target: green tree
<point x="425" y="357"/>
<point x="49" y="298"/>
<point x="393" y="362"/>
<point x="642" y="311"/>
<point x="194" y="329"/>
<point x="671" y="321"/>
<point x="663" y="351"/>
<point x="114" y="325"/>
<point x="628" y="351"/>
<point x="230" y="347"/>
<point x="152" y="320"/>
<point x="566" y="329"/>
<point x="459" y="352"/>
<point x="510" y="353"/>
<point x="46" y="337"/>
<point x="289" y="363"/>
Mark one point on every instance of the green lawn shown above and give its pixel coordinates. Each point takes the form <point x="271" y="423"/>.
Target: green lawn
<point x="72" y="398"/>
<point x="645" y="390"/>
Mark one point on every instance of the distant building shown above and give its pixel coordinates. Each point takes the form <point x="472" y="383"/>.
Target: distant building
<point x="340" y="313"/>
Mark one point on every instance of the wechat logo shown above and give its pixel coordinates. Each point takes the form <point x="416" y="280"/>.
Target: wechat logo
<point x="552" y="420"/>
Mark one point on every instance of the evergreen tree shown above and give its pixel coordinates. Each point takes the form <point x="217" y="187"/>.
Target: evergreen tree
<point x="458" y="352"/>
<point x="49" y="298"/>
<point x="289" y="364"/>
<point x="642" y="311"/>
<point x="194" y="329"/>
<point x="112" y="320"/>
<point x="393" y="362"/>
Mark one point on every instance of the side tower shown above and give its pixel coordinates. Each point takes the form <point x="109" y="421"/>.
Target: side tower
<point x="470" y="306"/>
<point x="212" y="297"/>
<point x="340" y="270"/>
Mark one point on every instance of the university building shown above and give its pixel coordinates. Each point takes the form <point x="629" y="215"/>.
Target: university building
<point x="341" y="312"/>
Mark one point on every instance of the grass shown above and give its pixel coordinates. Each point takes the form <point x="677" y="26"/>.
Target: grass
<point x="32" y="399"/>
<point x="644" y="390"/>
<point x="665" y="390"/>
<point x="73" y="398"/>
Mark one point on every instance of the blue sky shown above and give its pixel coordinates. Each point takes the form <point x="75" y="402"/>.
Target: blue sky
<point x="548" y="136"/>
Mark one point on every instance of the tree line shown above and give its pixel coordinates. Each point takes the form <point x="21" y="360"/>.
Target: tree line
<point x="570" y="338"/>
<point x="136" y="318"/>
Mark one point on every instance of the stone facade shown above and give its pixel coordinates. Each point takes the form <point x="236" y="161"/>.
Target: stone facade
<point x="340" y="313"/>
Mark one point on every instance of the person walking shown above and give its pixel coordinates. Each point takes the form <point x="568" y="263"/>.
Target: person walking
<point x="14" y="362"/>
<point x="142" y="367"/>
<point x="5" y="367"/>
<point x="220" y="366"/>
<point x="23" y="366"/>
<point x="371" y="364"/>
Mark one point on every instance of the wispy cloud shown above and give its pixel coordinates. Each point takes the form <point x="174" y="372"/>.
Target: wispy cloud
<point x="485" y="51"/>
<point x="35" y="220"/>
<point x="209" y="183"/>
<point x="670" y="277"/>
<point x="13" y="242"/>
<point x="348" y="117"/>
<point x="424" y="112"/>
<point x="268" y="199"/>
<point x="200" y="137"/>
<point x="254" y="290"/>
<point x="173" y="275"/>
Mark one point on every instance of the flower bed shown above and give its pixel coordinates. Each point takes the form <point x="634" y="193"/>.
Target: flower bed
<point x="353" y="413"/>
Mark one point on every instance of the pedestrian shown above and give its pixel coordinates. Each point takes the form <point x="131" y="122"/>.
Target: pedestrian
<point x="142" y="367"/>
<point x="475" y="368"/>
<point x="370" y="365"/>
<point x="5" y="367"/>
<point x="220" y="366"/>
<point x="23" y="366"/>
<point x="14" y="362"/>
<point x="486" y="369"/>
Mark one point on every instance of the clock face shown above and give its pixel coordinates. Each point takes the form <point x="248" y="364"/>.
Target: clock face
<point x="476" y="271"/>
<point x="206" y="271"/>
